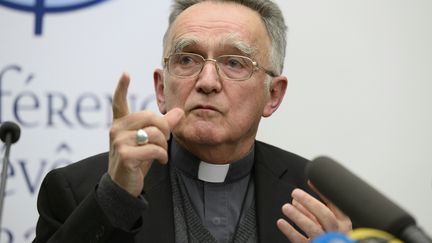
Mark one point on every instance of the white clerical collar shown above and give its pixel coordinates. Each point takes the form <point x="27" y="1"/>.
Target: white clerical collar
<point x="215" y="173"/>
<point x="193" y="167"/>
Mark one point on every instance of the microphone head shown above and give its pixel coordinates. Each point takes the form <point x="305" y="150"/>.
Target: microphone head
<point x="332" y="237"/>
<point x="11" y="128"/>
<point x="367" y="235"/>
<point x="362" y="203"/>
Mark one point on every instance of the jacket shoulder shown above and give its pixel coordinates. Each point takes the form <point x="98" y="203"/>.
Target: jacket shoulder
<point x="280" y="155"/>
<point x="81" y="176"/>
<point x="91" y="165"/>
<point x="283" y="164"/>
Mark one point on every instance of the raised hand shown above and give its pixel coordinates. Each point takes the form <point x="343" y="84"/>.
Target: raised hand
<point x="312" y="216"/>
<point x="129" y="162"/>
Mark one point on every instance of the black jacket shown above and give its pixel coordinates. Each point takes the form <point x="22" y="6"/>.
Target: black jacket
<point x="69" y="211"/>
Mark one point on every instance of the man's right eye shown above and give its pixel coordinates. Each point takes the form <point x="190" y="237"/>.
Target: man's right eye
<point x="185" y="60"/>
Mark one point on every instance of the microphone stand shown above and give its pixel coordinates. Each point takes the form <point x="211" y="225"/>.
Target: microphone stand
<point x="3" y="176"/>
<point x="9" y="134"/>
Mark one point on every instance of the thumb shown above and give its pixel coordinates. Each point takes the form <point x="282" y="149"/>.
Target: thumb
<point x="173" y="117"/>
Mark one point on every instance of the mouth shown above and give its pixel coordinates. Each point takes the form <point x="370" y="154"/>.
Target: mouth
<point x="205" y="108"/>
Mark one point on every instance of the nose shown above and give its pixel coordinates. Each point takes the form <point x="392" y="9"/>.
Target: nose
<point x="209" y="79"/>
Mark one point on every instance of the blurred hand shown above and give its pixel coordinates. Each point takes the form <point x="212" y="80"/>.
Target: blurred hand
<point x="312" y="216"/>
<point x="128" y="161"/>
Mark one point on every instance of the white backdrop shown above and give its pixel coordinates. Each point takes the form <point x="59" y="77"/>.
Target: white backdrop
<point x="360" y="77"/>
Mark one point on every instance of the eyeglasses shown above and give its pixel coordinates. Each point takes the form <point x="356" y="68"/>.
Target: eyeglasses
<point x="232" y="67"/>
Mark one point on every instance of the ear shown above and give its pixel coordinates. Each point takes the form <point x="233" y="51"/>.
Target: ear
<point x="159" y="86"/>
<point x="277" y="90"/>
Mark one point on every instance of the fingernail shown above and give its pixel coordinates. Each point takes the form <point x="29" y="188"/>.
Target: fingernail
<point x="287" y="207"/>
<point x="297" y="193"/>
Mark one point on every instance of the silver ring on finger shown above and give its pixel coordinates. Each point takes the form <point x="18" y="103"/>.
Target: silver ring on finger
<point x="141" y="137"/>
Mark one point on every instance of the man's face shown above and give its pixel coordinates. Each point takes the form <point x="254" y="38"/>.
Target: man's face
<point x="217" y="111"/>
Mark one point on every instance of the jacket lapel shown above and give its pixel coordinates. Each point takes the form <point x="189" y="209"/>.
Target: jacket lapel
<point x="271" y="192"/>
<point x="158" y="220"/>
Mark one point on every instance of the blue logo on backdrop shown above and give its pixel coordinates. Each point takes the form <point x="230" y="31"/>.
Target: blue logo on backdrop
<point x="41" y="7"/>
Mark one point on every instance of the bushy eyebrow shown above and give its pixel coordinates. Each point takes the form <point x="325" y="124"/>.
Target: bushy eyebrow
<point x="231" y="40"/>
<point x="239" y="44"/>
<point x="181" y="43"/>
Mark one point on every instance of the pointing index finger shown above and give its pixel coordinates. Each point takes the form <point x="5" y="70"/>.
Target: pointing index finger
<point x="120" y="105"/>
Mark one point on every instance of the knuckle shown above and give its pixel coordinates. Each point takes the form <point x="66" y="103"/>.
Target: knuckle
<point x="114" y="130"/>
<point x="158" y="152"/>
<point x="316" y="231"/>
<point x="332" y="224"/>
<point x="122" y="153"/>
<point x="112" y="133"/>
<point x="147" y="113"/>
<point x="154" y="151"/>
<point x="156" y="135"/>
<point x="116" y="143"/>
<point x="152" y="130"/>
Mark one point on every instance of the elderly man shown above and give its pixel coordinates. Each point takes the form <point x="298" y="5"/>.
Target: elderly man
<point x="196" y="174"/>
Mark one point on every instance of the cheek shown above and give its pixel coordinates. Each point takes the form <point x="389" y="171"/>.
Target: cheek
<point x="176" y="93"/>
<point x="249" y="105"/>
<point x="253" y="97"/>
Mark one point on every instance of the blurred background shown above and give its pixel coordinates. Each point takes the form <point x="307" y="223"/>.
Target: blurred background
<point x="360" y="84"/>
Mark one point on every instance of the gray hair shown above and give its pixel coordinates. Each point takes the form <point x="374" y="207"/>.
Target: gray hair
<point x="270" y="14"/>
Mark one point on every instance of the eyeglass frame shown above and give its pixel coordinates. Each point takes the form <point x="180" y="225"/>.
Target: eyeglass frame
<point x="255" y="65"/>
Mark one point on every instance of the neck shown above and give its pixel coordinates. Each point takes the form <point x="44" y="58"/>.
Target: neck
<point x="195" y="168"/>
<point x="219" y="153"/>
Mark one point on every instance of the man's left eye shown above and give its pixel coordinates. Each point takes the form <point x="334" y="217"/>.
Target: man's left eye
<point x="235" y="63"/>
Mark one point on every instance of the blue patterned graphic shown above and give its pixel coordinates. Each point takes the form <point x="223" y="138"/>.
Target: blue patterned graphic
<point x="41" y="7"/>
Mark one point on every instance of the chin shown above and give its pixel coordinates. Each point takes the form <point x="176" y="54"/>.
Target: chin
<point x="199" y="135"/>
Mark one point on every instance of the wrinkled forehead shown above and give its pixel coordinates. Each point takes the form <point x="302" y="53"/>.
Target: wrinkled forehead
<point x="217" y="27"/>
<point x="230" y="43"/>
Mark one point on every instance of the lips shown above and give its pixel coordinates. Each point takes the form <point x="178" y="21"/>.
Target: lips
<point x="205" y="107"/>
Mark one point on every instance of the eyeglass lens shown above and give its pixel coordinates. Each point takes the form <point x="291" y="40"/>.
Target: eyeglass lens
<point x="229" y="66"/>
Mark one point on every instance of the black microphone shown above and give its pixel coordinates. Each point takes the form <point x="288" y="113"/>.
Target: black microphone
<point x="9" y="134"/>
<point x="361" y="202"/>
<point x="9" y="129"/>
